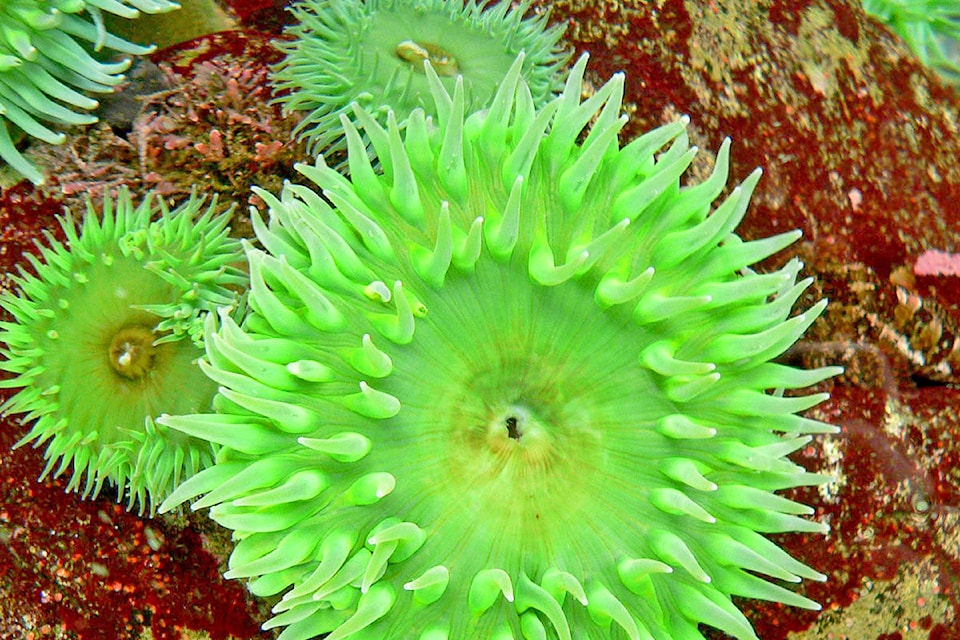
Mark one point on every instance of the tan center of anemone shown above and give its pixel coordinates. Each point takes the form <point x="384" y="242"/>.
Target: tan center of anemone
<point x="444" y="63"/>
<point x="132" y="352"/>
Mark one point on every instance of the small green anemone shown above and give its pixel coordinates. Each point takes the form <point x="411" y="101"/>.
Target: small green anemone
<point x="105" y="336"/>
<point x="372" y="52"/>
<point x="512" y="386"/>
<point x="44" y="69"/>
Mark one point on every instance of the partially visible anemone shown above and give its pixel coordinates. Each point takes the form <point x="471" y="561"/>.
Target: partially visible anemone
<point x="931" y="28"/>
<point x="105" y="333"/>
<point x="46" y="71"/>
<point x="372" y="52"/>
<point x="516" y="385"/>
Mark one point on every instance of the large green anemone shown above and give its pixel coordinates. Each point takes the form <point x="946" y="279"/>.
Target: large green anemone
<point x="372" y="52"/>
<point x="45" y="70"/>
<point x="517" y="385"/>
<point x="105" y="334"/>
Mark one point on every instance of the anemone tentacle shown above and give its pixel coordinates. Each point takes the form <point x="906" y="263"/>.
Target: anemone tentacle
<point x="515" y="383"/>
<point x="104" y="337"/>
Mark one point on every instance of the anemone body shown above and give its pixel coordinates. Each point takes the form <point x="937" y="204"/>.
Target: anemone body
<point x="512" y="386"/>
<point x="372" y="52"/>
<point x="45" y="72"/>
<point x="105" y="334"/>
<point x="931" y="28"/>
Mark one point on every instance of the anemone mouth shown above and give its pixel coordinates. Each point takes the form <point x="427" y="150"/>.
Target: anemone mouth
<point x="132" y="352"/>
<point x="513" y="384"/>
<point x="106" y="337"/>
<point x="373" y="53"/>
<point x="416" y="53"/>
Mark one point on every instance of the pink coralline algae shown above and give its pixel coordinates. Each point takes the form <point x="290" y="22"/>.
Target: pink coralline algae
<point x="937" y="263"/>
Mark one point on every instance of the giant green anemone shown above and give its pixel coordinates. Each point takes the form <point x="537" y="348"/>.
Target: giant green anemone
<point x="517" y="385"/>
<point x="372" y="52"/>
<point x="105" y="334"/>
<point x="44" y="69"/>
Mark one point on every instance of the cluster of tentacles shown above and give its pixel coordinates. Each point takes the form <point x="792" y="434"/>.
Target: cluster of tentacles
<point x="45" y="72"/>
<point x="931" y="28"/>
<point x="509" y="379"/>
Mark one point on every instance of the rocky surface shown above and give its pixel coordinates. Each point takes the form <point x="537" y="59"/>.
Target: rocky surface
<point x="859" y="146"/>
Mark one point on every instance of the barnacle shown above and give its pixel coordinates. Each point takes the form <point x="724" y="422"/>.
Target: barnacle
<point x="104" y="336"/>
<point x="44" y="69"/>
<point x="514" y="386"/>
<point x="372" y="52"/>
<point x="931" y="28"/>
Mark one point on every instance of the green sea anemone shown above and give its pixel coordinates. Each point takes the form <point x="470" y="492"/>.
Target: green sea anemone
<point x="105" y="336"/>
<point x="44" y="68"/>
<point x="931" y="28"/>
<point x="372" y="52"/>
<point x="517" y="385"/>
